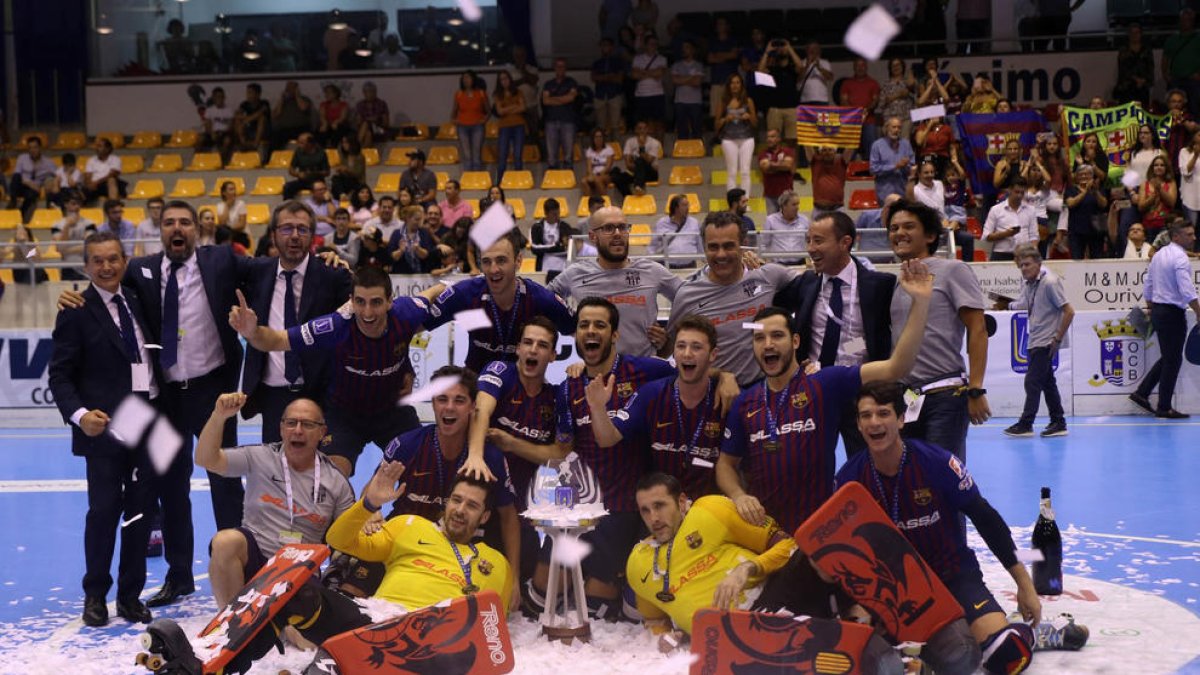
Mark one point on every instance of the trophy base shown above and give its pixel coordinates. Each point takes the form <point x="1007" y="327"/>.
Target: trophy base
<point x="568" y="635"/>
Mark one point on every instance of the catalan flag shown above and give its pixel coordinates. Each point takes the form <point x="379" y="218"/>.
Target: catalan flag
<point x="819" y="125"/>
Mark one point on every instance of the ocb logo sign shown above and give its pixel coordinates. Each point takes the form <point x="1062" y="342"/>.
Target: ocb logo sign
<point x="1019" y="353"/>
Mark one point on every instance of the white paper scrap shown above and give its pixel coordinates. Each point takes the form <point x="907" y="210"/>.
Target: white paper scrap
<point x="162" y="445"/>
<point x="871" y="32"/>
<point x="31" y="253"/>
<point x="473" y="319"/>
<point x="470" y="10"/>
<point x="491" y="226"/>
<point x="130" y="420"/>
<point x="927" y="113"/>
<point x="1032" y="555"/>
<point x="1131" y="179"/>
<point x="752" y="326"/>
<point x="570" y="551"/>
<point x="436" y="386"/>
<point x="764" y="79"/>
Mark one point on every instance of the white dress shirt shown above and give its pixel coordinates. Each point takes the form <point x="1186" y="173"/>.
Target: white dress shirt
<point x="1003" y="217"/>
<point x="852" y="323"/>
<point x="1169" y="278"/>
<point x="200" y="349"/>
<point x="273" y="375"/>
<point x="141" y="341"/>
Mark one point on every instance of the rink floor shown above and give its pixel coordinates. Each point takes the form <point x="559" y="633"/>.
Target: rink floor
<point x="1124" y="491"/>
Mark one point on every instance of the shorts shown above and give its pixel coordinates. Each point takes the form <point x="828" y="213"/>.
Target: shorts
<point x="650" y="107"/>
<point x="349" y="433"/>
<point x="968" y="588"/>
<point x="612" y="541"/>
<point x="254" y="555"/>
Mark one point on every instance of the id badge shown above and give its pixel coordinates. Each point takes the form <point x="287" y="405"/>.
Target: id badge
<point x="290" y="537"/>
<point x="139" y="375"/>
<point x="855" y="346"/>
<point x="914" y="401"/>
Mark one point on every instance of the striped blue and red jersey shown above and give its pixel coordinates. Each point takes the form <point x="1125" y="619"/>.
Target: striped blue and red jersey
<point x="684" y="442"/>
<point x="428" y="475"/>
<point x="528" y="417"/>
<point x="368" y="373"/>
<point x="499" y="341"/>
<point x="791" y="471"/>
<point x="617" y="468"/>
<point x="924" y="500"/>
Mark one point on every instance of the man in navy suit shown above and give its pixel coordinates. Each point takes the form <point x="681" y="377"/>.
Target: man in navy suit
<point x="100" y="357"/>
<point x="840" y="308"/>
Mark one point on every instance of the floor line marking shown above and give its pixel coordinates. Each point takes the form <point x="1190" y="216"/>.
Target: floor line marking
<point x="68" y="485"/>
<point x="1106" y="535"/>
<point x="58" y="637"/>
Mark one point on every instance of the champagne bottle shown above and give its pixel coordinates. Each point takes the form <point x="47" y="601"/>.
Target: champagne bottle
<point x="1047" y="575"/>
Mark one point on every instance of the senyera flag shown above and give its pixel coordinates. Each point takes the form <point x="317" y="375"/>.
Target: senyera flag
<point x="984" y="137"/>
<point x="819" y="125"/>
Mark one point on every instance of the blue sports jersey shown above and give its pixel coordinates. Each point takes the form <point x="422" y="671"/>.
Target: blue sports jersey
<point x="791" y="471"/>
<point x="368" y="372"/>
<point x="684" y="443"/>
<point x="428" y="475"/>
<point x="499" y="342"/>
<point x="617" y="468"/>
<point x="924" y="500"/>
<point x="529" y="418"/>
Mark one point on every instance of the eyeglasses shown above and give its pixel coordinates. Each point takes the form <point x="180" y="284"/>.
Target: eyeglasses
<point x="609" y="228"/>
<point x="289" y="230"/>
<point x="292" y="423"/>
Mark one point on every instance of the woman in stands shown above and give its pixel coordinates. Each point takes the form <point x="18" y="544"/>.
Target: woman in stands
<point x="207" y="227"/>
<point x="469" y="112"/>
<point x="362" y="206"/>
<point x="1050" y="153"/>
<point x="231" y="210"/>
<point x="1157" y="196"/>
<point x="404" y="197"/>
<point x="1144" y="152"/>
<point x="897" y="95"/>
<point x="735" y="124"/>
<point x="1137" y="248"/>
<point x="1008" y="168"/>
<point x="1004" y="106"/>
<point x="334" y="116"/>
<point x="599" y="158"/>
<point x="508" y="105"/>
<point x="496" y="194"/>
<point x="983" y="98"/>
<point x="352" y="172"/>
<point x="1091" y="154"/>
<point x="1189" y="182"/>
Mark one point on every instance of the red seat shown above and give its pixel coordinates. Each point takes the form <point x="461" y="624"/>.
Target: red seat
<point x="859" y="170"/>
<point x="861" y="200"/>
<point x="974" y="227"/>
<point x="1050" y="112"/>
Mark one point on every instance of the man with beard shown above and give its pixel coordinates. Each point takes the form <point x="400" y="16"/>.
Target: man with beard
<point x="727" y="293"/>
<point x="632" y="285"/>
<point x="785" y="429"/>
<point x="369" y="340"/>
<point x="509" y="300"/>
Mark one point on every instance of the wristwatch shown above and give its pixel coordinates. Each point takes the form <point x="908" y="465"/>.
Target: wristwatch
<point x="976" y="392"/>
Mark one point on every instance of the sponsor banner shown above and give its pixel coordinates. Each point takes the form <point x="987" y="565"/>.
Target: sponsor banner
<point x="25" y="368"/>
<point x="1100" y="285"/>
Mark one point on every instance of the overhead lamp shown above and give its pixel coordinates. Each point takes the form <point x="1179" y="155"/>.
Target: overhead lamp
<point x="464" y="42"/>
<point x="336" y="22"/>
<point x="456" y="22"/>
<point x="103" y="27"/>
<point x="250" y="49"/>
<point x="447" y="38"/>
<point x="223" y="26"/>
<point x="363" y="49"/>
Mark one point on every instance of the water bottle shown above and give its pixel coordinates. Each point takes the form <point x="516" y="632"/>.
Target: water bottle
<point x="1047" y="575"/>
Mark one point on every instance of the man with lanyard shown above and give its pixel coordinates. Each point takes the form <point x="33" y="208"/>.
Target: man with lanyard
<point x="785" y="429"/>
<point x="946" y="400"/>
<point x="632" y="285"/>
<point x="942" y="490"/>
<point x="369" y="339"/>
<point x="727" y="293"/>
<point x="510" y="300"/>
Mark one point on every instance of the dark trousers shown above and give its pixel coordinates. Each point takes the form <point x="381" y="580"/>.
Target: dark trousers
<point x="973" y="33"/>
<point x="1039" y="380"/>
<point x="293" y="187"/>
<point x="116" y="485"/>
<point x="1091" y="243"/>
<point x="688" y="120"/>
<point x="1006" y="256"/>
<point x="643" y="173"/>
<point x="943" y="422"/>
<point x="1170" y="324"/>
<point x="966" y="243"/>
<point x="324" y="613"/>
<point x="272" y="401"/>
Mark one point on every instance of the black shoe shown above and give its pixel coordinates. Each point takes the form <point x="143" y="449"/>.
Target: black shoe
<point x="133" y="611"/>
<point x="169" y="593"/>
<point x="1171" y="414"/>
<point x="1019" y="430"/>
<point x="95" y="611"/>
<point x="1142" y="402"/>
<point x="1054" y="430"/>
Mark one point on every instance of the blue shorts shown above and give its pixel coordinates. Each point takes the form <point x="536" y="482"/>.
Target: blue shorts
<point x="348" y="432"/>
<point x="254" y="555"/>
<point x="612" y="541"/>
<point x="972" y="594"/>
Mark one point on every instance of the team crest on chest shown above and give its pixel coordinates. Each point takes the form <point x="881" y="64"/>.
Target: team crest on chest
<point x="694" y="540"/>
<point x="624" y="389"/>
<point x="799" y="400"/>
<point x="750" y="288"/>
<point x="546" y="412"/>
<point x="712" y="429"/>
<point x="922" y="496"/>
<point x="633" y="278"/>
<point x="485" y="567"/>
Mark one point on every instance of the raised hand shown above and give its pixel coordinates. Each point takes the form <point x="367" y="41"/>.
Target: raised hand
<point x="382" y="489"/>
<point x="243" y="319"/>
<point x="915" y="279"/>
<point x="476" y="468"/>
<point x="599" y="391"/>
<point x="228" y="405"/>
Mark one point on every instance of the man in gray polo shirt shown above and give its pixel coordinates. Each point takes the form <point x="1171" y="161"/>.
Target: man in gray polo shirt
<point x="728" y="294"/>
<point x="632" y="285"/>
<point x="1049" y="320"/>
<point x="293" y="492"/>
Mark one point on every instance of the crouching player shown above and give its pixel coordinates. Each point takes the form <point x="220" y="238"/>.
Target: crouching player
<point x="924" y="489"/>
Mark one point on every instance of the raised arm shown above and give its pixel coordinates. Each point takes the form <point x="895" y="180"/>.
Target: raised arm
<point x="915" y="280"/>
<point x="208" y="446"/>
<point x="263" y="338"/>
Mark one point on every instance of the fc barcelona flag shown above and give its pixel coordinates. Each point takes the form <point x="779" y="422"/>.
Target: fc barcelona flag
<point x="819" y="125"/>
<point x="984" y="137"/>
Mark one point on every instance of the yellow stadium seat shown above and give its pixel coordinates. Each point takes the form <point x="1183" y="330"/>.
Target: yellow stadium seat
<point x="639" y="234"/>
<point x="280" y="159"/>
<point x="146" y="140"/>
<point x="442" y="178"/>
<point x="640" y="206"/>
<point x="166" y="163"/>
<point x="441" y="155"/>
<point x="558" y="179"/>
<point x="205" y="161"/>
<point x="134" y="214"/>
<point x="686" y="174"/>
<point x="115" y="137"/>
<point x="371" y="156"/>
<point x="447" y="132"/>
<point x="398" y="156"/>
<point x="186" y="188"/>
<point x="758" y="205"/>
<point x="244" y="160"/>
<point x="618" y="152"/>
<point x="70" y="140"/>
<point x="334" y="157"/>
<point x="691" y="148"/>
<point x="564" y="206"/>
<point x="147" y="189"/>
<point x="518" y="207"/>
<point x="531" y="154"/>
<point x="258" y="214"/>
<point x="44" y="218"/>
<point x="718" y="204"/>
<point x="266" y="186"/>
<point x="40" y="135"/>
<point x="693" y="204"/>
<point x="183" y="138"/>
<point x="806" y="204"/>
<point x="413" y="131"/>
<point x="387" y="183"/>
<point x="10" y="218"/>
<point x="583" y="212"/>
<point x="475" y="180"/>
<point x="528" y="265"/>
<point x="96" y="215"/>
<point x="239" y="184"/>
<point x="720" y="177"/>
<point x="517" y="180"/>
<point x="474" y="207"/>
<point x="131" y="164"/>
<point x="491" y="129"/>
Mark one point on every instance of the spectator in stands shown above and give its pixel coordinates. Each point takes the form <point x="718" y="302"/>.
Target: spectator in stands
<point x="26" y="244"/>
<point x="735" y="127"/>
<point x="374" y="118"/>
<point x="641" y="155"/>
<point x="206" y="226"/>
<point x="469" y="112"/>
<point x="958" y="195"/>
<point x="786" y="231"/>
<point x="784" y="66"/>
<point x="102" y="174"/>
<point x="1135" y="69"/>
<point x="362" y="206"/>
<point x="344" y="240"/>
<point x="1084" y="201"/>
<point x="508" y="105"/>
<point x="334" y="117"/>
<point x="598" y="161"/>
<point x="777" y="164"/>
<point x="973" y="26"/>
<point x="738" y="201"/>
<point x="897" y="95"/>
<point x="549" y="238"/>
<point x="614" y="14"/>
<point x="292" y="116"/>
<point x="421" y="182"/>
<point x="828" y="178"/>
<point x="454" y="206"/>
<point x="1008" y="167"/>
<point x="558" y="106"/>
<point x="687" y="75"/>
<point x="935" y="141"/>
<point x="722" y="63"/>
<point x="891" y="160"/>
<point x="33" y="173"/>
<point x="862" y="91"/>
<point x="73" y="228"/>
<point x="817" y="77"/>
<point x="1181" y="60"/>
<point x="151" y="228"/>
<point x="1189" y="182"/>
<point x="1144" y="152"/>
<point x="68" y="180"/>
<point x="649" y="97"/>
<point x="687" y="245"/>
<point x="410" y="245"/>
<point x="645" y="14"/>
<point x="218" y="124"/>
<point x="177" y="51"/>
<point x="874" y="219"/>
<point x="1156" y="197"/>
<point x="1136" y="247"/>
<point x="1092" y="154"/>
<point x="323" y="205"/>
<point x="231" y="210"/>
<point x="436" y="222"/>
<point x="391" y="57"/>
<point x="460" y="240"/>
<point x="983" y="97"/>
<point x="1049" y="152"/>
<point x="1052" y="21"/>
<point x="496" y="194"/>
<point x="750" y="54"/>
<point x="1180" y="126"/>
<point x="1010" y="223"/>
<point x="351" y="172"/>
<point x="608" y="76"/>
<point x="252" y="121"/>
<point x="373" y="252"/>
<point x="404" y="197"/>
<point x="114" y="221"/>
<point x="525" y="74"/>
<point x="309" y="163"/>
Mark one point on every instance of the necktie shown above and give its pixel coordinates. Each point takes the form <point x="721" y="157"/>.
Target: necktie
<point x="291" y="360"/>
<point x="833" y="326"/>
<point x="170" y="319"/>
<point x="128" y="336"/>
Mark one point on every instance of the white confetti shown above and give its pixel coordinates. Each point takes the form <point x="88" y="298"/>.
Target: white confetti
<point x="570" y="551"/>
<point x="163" y="444"/>
<point x="1030" y="555"/>
<point x="491" y="226"/>
<point x="470" y="10"/>
<point x="752" y="326"/>
<point x="31" y="253"/>
<point x="927" y="113"/>
<point x="871" y="32"/>
<point x="130" y="420"/>
<point x="473" y="319"/>
<point x="1131" y="179"/>
<point x="764" y="79"/>
<point x="436" y="386"/>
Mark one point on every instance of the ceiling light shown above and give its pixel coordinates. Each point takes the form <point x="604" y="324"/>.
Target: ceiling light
<point x="335" y="20"/>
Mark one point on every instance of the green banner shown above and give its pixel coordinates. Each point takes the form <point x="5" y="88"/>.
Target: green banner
<point x="1115" y="128"/>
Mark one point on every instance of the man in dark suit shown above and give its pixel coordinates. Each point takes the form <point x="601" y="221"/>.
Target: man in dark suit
<point x="840" y="308"/>
<point x="272" y="381"/>
<point x="100" y="357"/>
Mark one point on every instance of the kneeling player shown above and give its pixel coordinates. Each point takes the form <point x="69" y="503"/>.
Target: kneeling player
<point x="924" y="488"/>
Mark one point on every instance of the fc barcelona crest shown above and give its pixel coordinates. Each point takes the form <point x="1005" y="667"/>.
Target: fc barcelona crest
<point x="922" y="497"/>
<point x="799" y="400"/>
<point x="694" y="540"/>
<point x="624" y="389"/>
<point x="546" y="412"/>
<point x="996" y="144"/>
<point x="712" y="429"/>
<point x="828" y="123"/>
